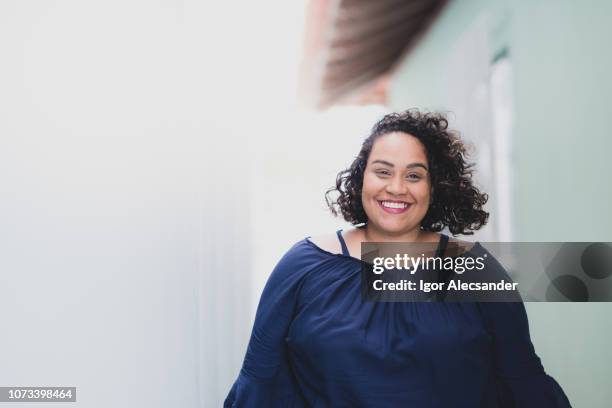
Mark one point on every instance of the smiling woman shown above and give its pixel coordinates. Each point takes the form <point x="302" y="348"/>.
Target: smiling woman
<point x="411" y="158"/>
<point x="317" y="343"/>
<point x="396" y="183"/>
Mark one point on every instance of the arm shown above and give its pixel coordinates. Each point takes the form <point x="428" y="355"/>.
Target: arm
<point x="520" y="378"/>
<point x="265" y="379"/>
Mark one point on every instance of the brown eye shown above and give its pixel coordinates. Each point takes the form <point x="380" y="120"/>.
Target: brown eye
<point x="414" y="177"/>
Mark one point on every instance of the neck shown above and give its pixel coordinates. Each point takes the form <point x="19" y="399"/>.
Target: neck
<point x="372" y="234"/>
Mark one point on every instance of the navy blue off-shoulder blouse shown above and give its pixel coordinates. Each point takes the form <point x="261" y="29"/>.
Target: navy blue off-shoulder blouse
<point x="316" y="343"/>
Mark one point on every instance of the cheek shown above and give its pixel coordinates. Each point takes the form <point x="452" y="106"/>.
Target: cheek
<point x="422" y="194"/>
<point x="370" y="186"/>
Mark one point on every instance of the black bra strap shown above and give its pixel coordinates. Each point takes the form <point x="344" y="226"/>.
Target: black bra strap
<point x="442" y="245"/>
<point x="342" y="243"/>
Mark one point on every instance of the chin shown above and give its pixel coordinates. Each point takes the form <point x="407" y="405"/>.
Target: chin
<point x="393" y="227"/>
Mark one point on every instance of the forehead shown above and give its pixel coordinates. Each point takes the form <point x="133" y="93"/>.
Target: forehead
<point x="398" y="148"/>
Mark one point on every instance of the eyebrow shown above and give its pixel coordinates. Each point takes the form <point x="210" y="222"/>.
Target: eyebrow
<point x="410" y="166"/>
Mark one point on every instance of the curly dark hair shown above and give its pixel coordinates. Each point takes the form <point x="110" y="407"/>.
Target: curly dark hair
<point x="456" y="202"/>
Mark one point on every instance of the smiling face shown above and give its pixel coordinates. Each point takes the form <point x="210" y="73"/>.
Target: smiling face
<point x="396" y="184"/>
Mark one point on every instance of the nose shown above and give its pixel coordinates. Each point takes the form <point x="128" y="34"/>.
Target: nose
<point x="396" y="186"/>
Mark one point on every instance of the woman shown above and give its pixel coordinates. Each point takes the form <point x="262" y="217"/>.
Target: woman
<point x="316" y="343"/>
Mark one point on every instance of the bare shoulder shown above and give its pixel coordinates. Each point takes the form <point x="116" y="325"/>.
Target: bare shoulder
<point x="327" y="242"/>
<point x="330" y="242"/>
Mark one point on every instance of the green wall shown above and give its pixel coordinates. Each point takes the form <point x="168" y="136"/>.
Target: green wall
<point x="560" y="51"/>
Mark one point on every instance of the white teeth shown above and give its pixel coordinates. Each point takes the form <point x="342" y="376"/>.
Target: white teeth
<point x="390" y="204"/>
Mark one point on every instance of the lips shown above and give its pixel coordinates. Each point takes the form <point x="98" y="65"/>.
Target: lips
<point x="393" y="206"/>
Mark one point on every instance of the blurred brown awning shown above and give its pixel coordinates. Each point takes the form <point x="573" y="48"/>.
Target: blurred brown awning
<point x="350" y="45"/>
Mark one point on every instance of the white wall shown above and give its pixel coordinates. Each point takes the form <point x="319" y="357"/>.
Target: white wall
<point x="105" y="219"/>
<point x="99" y="181"/>
<point x="99" y="268"/>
